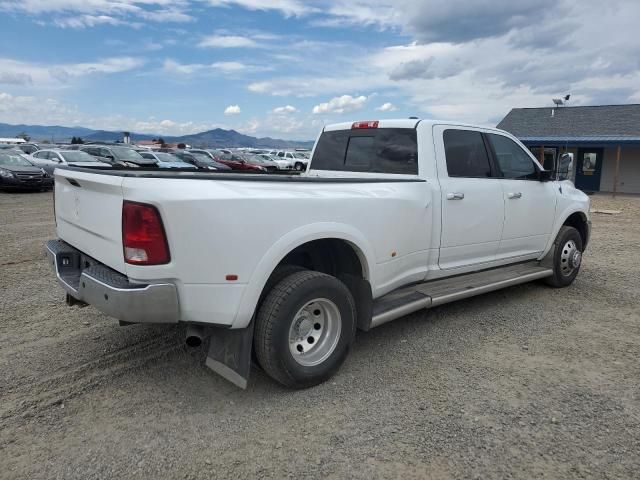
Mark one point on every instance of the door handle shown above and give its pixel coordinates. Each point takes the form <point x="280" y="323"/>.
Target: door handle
<point x="514" y="195"/>
<point x="455" y="196"/>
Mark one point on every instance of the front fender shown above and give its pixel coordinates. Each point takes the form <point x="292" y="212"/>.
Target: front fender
<point x="570" y="201"/>
<point x="288" y="243"/>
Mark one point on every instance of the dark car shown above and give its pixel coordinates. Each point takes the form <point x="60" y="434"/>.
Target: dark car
<point x="118" y="155"/>
<point x="200" y="160"/>
<point x="16" y="173"/>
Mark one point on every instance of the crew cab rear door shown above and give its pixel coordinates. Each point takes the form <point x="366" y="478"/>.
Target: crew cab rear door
<point x="472" y="201"/>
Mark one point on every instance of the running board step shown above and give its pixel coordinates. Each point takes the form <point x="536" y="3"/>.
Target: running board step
<point x="407" y="300"/>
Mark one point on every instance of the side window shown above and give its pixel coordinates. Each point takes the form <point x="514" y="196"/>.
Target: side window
<point x="103" y="152"/>
<point x="39" y="154"/>
<point x="512" y="160"/>
<point x="281" y="154"/>
<point x="466" y="154"/>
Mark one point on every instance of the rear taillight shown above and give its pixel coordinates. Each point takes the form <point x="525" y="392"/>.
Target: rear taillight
<point x="143" y="237"/>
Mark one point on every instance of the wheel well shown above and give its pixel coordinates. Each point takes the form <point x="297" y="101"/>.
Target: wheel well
<point x="338" y="258"/>
<point x="330" y="255"/>
<point x="578" y="220"/>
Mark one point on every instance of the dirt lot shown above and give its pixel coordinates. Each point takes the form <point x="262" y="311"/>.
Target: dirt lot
<point x="528" y="382"/>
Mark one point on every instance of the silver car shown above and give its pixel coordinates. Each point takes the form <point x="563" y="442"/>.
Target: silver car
<point x="166" y="160"/>
<point x="50" y="159"/>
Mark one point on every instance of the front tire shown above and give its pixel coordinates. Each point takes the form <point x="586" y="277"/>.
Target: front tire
<point x="567" y="257"/>
<point x="304" y="329"/>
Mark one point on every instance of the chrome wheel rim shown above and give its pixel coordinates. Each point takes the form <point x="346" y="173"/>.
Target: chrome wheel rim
<point x="570" y="258"/>
<point x="314" y="332"/>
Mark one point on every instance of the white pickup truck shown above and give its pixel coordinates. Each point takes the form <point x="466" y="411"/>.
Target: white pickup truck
<point x="393" y="216"/>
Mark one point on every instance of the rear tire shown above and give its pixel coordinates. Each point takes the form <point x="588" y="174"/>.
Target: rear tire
<point x="567" y="257"/>
<point x="279" y="274"/>
<point x="304" y="329"/>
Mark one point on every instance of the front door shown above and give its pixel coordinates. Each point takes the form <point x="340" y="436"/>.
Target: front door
<point x="588" y="169"/>
<point x="530" y="205"/>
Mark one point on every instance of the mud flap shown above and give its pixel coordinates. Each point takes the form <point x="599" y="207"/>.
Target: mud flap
<point x="230" y="354"/>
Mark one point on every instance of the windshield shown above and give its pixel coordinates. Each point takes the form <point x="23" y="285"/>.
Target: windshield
<point x="124" y="153"/>
<point x="78" y="156"/>
<point x="13" y="160"/>
<point x="253" y="158"/>
<point x="167" y="157"/>
<point x="201" y="157"/>
<point x="220" y="154"/>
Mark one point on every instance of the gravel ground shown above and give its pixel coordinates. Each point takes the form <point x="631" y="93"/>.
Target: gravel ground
<point x="528" y="382"/>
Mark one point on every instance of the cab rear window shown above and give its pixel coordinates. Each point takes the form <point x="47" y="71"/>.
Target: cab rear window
<point x="375" y="150"/>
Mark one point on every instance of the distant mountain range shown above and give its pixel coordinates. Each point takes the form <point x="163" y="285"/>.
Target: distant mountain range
<point x="211" y="138"/>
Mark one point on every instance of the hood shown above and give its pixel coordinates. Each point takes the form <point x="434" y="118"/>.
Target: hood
<point x="175" y="165"/>
<point x="142" y="161"/>
<point x="90" y="164"/>
<point x="16" y="169"/>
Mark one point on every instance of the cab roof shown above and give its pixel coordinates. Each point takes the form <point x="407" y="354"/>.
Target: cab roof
<point x="403" y="123"/>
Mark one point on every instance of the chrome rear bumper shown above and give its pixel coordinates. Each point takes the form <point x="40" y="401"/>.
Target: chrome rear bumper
<point x="91" y="282"/>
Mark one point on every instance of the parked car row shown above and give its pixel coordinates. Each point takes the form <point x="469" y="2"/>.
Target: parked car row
<point x="106" y="155"/>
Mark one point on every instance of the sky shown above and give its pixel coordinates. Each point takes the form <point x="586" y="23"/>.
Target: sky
<point x="284" y="68"/>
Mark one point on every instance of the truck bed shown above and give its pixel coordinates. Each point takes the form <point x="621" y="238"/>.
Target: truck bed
<point x="237" y="175"/>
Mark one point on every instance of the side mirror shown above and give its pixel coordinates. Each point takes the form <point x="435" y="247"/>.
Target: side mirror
<point x="564" y="166"/>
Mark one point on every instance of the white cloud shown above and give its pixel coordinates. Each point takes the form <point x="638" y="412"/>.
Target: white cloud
<point x="187" y="69"/>
<point x="33" y="110"/>
<point x="387" y="107"/>
<point x="169" y="15"/>
<point x="232" y="110"/>
<point x="83" y="21"/>
<point x="284" y="110"/>
<point x="15" y="71"/>
<point x="90" y="13"/>
<point x="287" y="7"/>
<point x="229" y="66"/>
<point x="227" y="41"/>
<point x="343" y="104"/>
<point x="16" y="109"/>
<point x="171" y="66"/>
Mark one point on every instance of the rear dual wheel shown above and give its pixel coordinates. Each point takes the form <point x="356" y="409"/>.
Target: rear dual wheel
<point x="304" y="328"/>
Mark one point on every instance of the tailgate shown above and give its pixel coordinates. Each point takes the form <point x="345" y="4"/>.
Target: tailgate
<point x="89" y="214"/>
